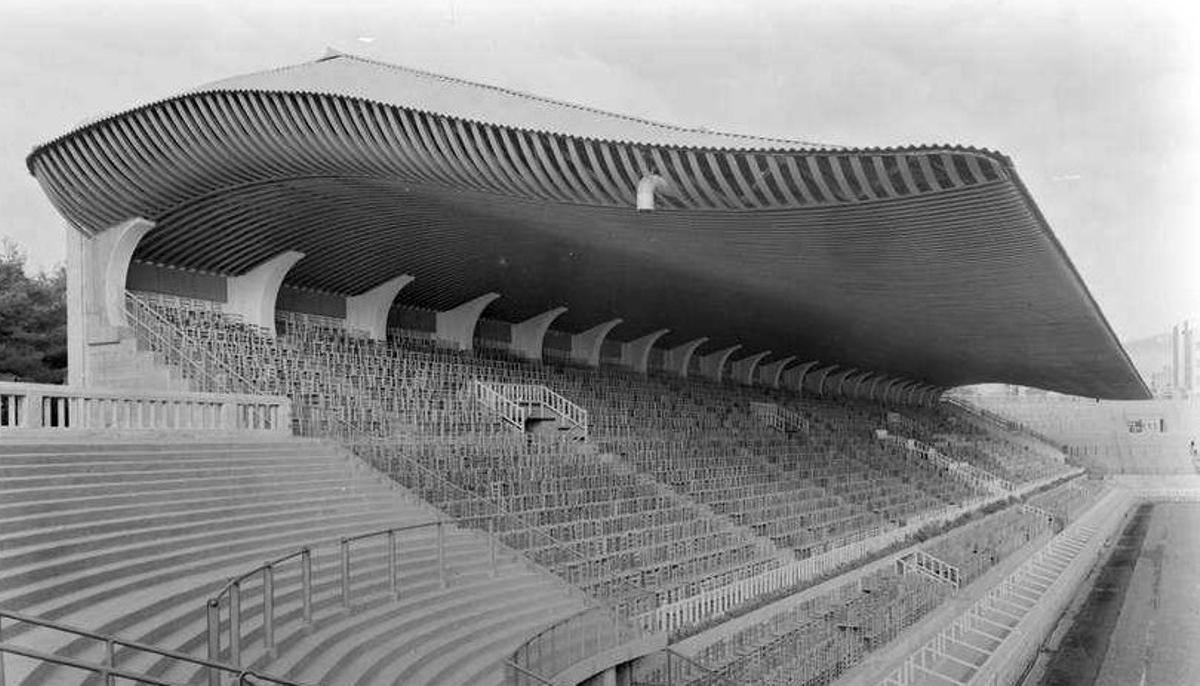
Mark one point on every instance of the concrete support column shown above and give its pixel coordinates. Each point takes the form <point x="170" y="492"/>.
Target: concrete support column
<point x="874" y="387"/>
<point x="769" y="374"/>
<point x="712" y="365"/>
<point x="456" y="327"/>
<point x="96" y="269"/>
<point x="527" y="336"/>
<point x="678" y="358"/>
<point x="857" y="389"/>
<point x="636" y="354"/>
<point x="252" y="295"/>
<point x="888" y="396"/>
<point x="586" y="346"/>
<point x="369" y="311"/>
<point x="742" y="371"/>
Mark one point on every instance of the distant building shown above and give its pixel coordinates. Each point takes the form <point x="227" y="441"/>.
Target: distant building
<point x="1167" y="361"/>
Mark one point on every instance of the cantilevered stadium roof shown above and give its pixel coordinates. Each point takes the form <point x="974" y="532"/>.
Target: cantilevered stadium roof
<point x="930" y="262"/>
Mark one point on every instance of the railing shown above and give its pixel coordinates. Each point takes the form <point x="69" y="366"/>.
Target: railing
<point x="45" y="406"/>
<point x="932" y="567"/>
<point x="566" y="643"/>
<point x="536" y="394"/>
<point x="966" y="472"/>
<point x="507" y="409"/>
<point x="230" y="595"/>
<point x="779" y="418"/>
<point x="108" y="669"/>
<point x="1002" y="421"/>
<point x="206" y="371"/>
<point x="669" y="668"/>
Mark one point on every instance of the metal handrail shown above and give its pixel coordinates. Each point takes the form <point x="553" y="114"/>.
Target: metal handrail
<point x="233" y="591"/>
<point x="108" y="668"/>
<point x="222" y="365"/>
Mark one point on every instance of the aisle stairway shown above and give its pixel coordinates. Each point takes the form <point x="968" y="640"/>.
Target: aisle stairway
<point x="131" y="538"/>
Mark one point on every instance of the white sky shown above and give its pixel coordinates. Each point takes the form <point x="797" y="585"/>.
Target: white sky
<point x="1097" y="102"/>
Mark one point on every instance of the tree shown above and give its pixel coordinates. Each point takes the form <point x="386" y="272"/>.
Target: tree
<point x="33" y="319"/>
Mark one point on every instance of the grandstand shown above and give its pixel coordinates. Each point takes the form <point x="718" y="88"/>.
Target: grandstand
<point x="294" y="451"/>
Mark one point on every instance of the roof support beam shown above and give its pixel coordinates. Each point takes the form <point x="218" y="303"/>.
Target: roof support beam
<point x="768" y="374"/>
<point x="841" y="378"/>
<point x="677" y="359"/>
<point x="456" y="327"/>
<point x="817" y="379"/>
<point x="252" y="295"/>
<point x="742" y="371"/>
<point x="585" y="346"/>
<point x="636" y="354"/>
<point x="856" y="391"/>
<point x="794" y="377"/>
<point x="712" y="365"/>
<point x="369" y="311"/>
<point x="527" y="336"/>
<point x="889" y="391"/>
<point x="871" y="391"/>
<point x="97" y="267"/>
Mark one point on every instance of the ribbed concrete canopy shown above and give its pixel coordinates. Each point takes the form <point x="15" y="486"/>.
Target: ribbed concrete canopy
<point x="930" y="263"/>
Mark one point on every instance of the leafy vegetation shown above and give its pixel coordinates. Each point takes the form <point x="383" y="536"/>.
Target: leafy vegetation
<point x="33" y="320"/>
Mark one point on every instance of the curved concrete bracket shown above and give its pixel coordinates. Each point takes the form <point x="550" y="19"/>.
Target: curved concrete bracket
<point x="646" y="188"/>
<point x="904" y="392"/>
<point x="816" y="380"/>
<point x="457" y="326"/>
<point x="677" y="359"/>
<point x="794" y="377"/>
<point x="527" y="336"/>
<point x="768" y="374"/>
<point x="97" y="267"/>
<point x="252" y="295"/>
<point x="636" y="354"/>
<point x="856" y="390"/>
<point x="838" y="387"/>
<point x="742" y="371"/>
<point x="113" y="251"/>
<point x="586" y="345"/>
<point x="712" y="365"/>
<point x="874" y="387"/>
<point x="369" y="311"/>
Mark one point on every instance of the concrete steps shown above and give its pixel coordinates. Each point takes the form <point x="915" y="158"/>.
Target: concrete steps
<point x="131" y="538"/>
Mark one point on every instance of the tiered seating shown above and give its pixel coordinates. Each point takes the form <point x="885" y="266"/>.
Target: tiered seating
<point x="963" y="437"/>
<point x="814" y="642"/>
<point x="132" y="538"/>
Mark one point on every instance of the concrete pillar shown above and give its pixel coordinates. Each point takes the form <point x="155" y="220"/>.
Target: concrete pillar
<point x="586" y="346"/>
<point x="252" y="295"/>
<point x="875" y="386"/>
<point x="636" y="354"/>
<point x="369" y="311"/>
<point x="743" y="371"/>
<point x="456" y="326"/>
<point x="712" y="365"/>
<point x="888" y="396"/>
<point x="527" y="336"/>
<point x="97" y="266"/>
<point x="769" y="374"/>
<point x="677" y="359"/>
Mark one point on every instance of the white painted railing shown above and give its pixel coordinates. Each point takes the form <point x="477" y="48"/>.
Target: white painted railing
<point x="525" y="395"/>
<point x="779" y="418"/>
<point x="964" y="471"/>
<point x="509" y="411"/>
<point x="921" y="562"/>
<point x="62" y="408"/>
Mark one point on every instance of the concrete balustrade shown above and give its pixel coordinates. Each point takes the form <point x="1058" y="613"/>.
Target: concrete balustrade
<point x="44" y="407"/>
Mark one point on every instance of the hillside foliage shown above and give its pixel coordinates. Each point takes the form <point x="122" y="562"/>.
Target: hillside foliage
<point x="33" y="320"/>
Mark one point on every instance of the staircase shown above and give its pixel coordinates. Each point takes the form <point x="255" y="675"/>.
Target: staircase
<point x="967" y="473"/>
<point x="923" y="564"/>
<point x="132" y="538"/>
<point x="534" y="409"/>
<point x="780" y="418"/>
